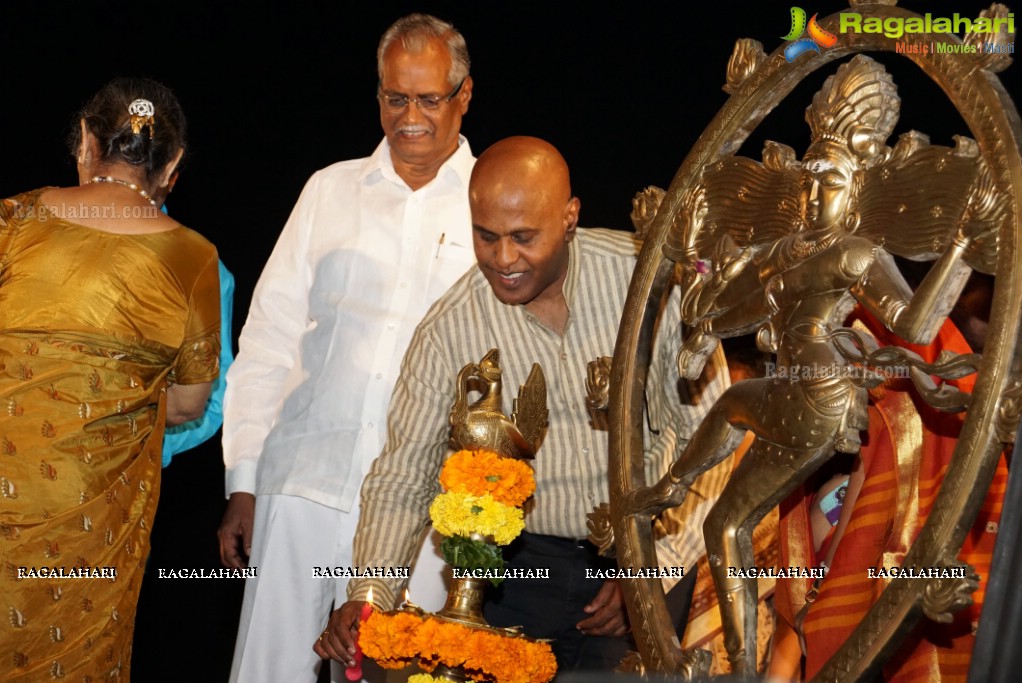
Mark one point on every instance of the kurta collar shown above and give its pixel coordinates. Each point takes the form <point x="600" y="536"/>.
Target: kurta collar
<point x="458" y="168"/>
<point x="574" y="271"/>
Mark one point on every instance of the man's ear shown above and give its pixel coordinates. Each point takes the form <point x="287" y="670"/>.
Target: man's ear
<point x="465" y="95"/>
<point x="571" y="218"/>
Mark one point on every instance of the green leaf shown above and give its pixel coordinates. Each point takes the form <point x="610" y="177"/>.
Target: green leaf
<point x="465" y="553"/>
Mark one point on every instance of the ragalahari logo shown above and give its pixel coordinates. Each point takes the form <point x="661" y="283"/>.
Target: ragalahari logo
<point x="817" y="37"/>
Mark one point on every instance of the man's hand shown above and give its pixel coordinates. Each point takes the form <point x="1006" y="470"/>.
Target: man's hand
<point x="607" y="610"/>
<point x="338" y="640"/>
<point x="236" y="530"/>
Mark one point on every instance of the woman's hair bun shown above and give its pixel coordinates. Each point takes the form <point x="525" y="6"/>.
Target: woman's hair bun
<point x="135" y="120"/>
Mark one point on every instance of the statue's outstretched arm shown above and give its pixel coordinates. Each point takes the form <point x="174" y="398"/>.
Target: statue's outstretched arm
<point x="915" y="317"/>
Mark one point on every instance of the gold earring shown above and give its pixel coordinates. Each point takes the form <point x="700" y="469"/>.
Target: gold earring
<point x="852" y="221"/>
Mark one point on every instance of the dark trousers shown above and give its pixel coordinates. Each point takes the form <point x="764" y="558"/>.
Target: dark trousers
<point x="550" y="608"/>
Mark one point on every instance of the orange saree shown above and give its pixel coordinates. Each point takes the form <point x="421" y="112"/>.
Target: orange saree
<point x="905" y="455"/>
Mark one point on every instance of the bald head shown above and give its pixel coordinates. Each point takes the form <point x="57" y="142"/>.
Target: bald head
<point x="521" y="165"/>
<point x="523" y="218"/>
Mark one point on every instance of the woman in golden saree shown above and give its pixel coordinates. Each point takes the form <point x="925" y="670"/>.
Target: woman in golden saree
<point x="109" y="330"/>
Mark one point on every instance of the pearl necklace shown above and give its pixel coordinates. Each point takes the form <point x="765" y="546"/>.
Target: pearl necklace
<point x="133" y="186"/>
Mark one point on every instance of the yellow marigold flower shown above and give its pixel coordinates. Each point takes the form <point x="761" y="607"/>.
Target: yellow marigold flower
<point x="422" y="678"/>
<point x="461" y="514"/>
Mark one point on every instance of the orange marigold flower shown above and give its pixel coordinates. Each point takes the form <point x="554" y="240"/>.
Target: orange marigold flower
<point x="393" y="663"/>
<point x="509" y="481"/>
<point x="538" y="663"/>
<point x="477" y="648"/>
<point x="389" y="638"/>
<point x="450" y="644"/>
<point x="395" y="639"/>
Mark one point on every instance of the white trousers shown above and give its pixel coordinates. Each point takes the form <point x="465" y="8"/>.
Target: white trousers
<point x="285" y="608"/>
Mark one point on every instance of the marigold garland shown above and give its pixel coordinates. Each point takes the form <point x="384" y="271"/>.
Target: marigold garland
<point x="462" y="514"/>
<point x="483" y="496"/>
<point x="388" y="638"/>
<point x="477" y="473"/>
<point x="395" y="639"/>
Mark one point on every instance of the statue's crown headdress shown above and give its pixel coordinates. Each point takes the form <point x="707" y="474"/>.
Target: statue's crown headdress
<point x="857" y="107"/>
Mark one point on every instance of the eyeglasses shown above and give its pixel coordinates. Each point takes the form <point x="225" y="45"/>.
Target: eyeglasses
<point x="396" y="102"/>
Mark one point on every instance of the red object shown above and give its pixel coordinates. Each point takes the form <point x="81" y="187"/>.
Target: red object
<point x="905" y="455"/>
<point x="354" y="672"/>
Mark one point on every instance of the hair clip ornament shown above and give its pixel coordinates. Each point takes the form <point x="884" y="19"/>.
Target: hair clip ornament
<point x="141" y="111"/>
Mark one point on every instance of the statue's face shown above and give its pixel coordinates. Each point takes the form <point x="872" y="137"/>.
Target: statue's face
<point x="826" y="186"/>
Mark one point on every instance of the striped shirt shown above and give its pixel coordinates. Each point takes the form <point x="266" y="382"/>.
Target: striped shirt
<point x="571" y="465"/>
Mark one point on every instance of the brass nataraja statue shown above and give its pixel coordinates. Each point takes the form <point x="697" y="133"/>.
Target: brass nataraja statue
<point x="795" y="286"/>
<point x="784" y="249"/>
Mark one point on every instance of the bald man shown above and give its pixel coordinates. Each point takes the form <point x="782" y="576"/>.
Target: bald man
<point x="547" y="292"/>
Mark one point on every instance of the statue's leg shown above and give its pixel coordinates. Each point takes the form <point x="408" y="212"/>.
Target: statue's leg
<point x="766" y="475"/>
<point x="715" y="439"/>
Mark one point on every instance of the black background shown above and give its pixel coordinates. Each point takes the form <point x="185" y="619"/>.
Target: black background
<point x="275" y="91"/>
